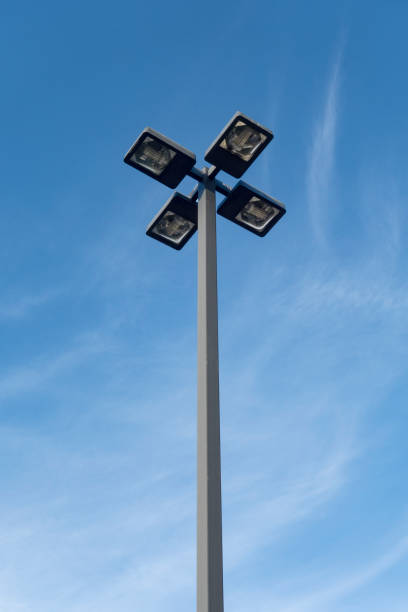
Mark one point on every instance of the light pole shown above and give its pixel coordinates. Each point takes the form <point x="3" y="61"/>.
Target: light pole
<point x="209" y="519"/>
<point x="233" y="151"/>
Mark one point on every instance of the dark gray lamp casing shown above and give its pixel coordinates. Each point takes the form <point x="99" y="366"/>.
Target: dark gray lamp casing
<point x="241" y="195"/>
<point x="180" y="165"/>
<point x="181" y="206"/>
<point x="228" y="161"/>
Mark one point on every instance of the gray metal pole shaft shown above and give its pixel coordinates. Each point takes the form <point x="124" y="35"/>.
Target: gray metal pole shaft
<point x="209" y="519"/>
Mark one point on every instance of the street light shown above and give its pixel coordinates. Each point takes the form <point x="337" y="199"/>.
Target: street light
<point x="238" y="145"/>
<point x="159" y="157"/>
<point x="233" y="151"/>
<point x="251" y="208"/>
<point x="175" y="223"/>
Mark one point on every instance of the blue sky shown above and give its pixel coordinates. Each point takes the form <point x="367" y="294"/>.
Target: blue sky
<point x="97" y="321"/>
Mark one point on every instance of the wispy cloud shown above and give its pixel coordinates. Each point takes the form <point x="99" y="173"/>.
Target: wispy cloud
<point x="322" y="155"/>
<point x="292" y="595"/>
<point x="259" y="514"/>
<point x="362" y="576"/>
<point x="21" y="307"/>
<point x="29" y="377"/>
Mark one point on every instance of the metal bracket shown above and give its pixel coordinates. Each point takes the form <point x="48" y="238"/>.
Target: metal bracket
<point x="200" y="176"/>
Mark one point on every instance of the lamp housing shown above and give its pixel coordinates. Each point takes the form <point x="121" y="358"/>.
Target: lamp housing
<point x="175" y="223"/>
<point x="238" y="145"/>
<point x="160" y="158"/>
<point x="251" y="209"/>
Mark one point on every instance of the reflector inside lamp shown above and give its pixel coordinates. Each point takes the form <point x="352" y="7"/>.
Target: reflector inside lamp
<point x="173" y="226"/>
<point x="153" y="155"/>
<point x="257" y="213"/>
<point x="242" y="140"/>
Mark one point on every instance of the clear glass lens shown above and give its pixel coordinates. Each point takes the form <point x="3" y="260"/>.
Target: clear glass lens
<point x="153" y="155"/>
<point x="257" y="213"/>
<point x="173" y="226"/>
<point x="242" y="140"/>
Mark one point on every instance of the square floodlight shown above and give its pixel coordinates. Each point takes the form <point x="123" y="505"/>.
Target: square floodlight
<point x="175" y="223"/>
<point x="238" y="145"/>
<point x="251" y="208"/>
<point x="161" y="158"/>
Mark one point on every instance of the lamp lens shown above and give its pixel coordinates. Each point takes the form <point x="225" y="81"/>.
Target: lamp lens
<point x="242" y="140"/>
<point x="173" y="226"/>
<point x="153" y="154"/>
<point x="257" y="213"/>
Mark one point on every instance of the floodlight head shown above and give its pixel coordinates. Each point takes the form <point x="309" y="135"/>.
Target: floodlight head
<point x="159" y="157"/>
<point x="251" y="208"/>
<point x="238" y="145"/>
<point x="175" y="223"/>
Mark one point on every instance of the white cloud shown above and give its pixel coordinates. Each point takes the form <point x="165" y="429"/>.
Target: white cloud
<point x="47" y="367"/>
<point x="319" y="599"/>
<point x="21" y="307"/>
<point x="261" y="511"/>
<point x="321" y="157"/>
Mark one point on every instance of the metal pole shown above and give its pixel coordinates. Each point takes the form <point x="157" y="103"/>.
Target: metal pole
<point x="209" y="519"/>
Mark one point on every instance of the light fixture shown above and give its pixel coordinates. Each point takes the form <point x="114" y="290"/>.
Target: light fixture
<point x="251" y="208"/>
<point x="238" y="145"/>
<point x="160" y="158"/>
<point x="175" y="223"/>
